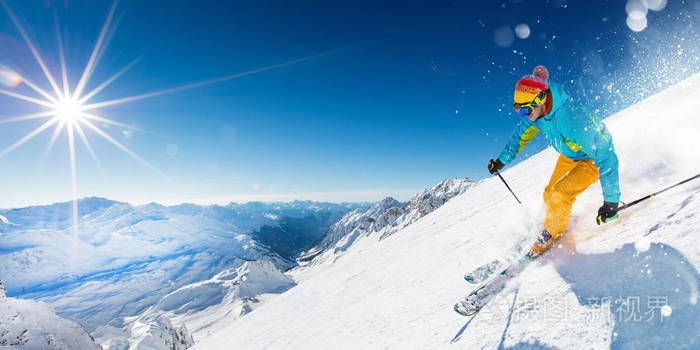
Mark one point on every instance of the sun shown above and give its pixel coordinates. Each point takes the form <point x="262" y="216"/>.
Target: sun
<point x="68" y="110"/>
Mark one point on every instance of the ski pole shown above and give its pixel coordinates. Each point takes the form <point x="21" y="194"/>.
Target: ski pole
<point x="511" y="191"/>
<point x="627" y="205"/>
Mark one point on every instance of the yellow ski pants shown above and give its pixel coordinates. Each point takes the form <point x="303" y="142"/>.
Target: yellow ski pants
<point x="569" y="179"/>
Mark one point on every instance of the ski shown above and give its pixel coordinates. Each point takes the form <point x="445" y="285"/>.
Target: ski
<point x="482" y="295"/>
<point x="483" y="272"/>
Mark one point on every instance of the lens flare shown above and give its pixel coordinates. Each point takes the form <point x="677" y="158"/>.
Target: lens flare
<point x="522" y="30"/>
<point x="9" y="78"/>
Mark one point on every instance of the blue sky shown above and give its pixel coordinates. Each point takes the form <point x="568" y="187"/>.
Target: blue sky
<point x="385" y="98"/>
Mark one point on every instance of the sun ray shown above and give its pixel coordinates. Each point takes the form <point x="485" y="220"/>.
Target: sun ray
<point x="22" y="32"/>
<point x="39" y="90"/>
<point x="52" y="141"/>
<point x="74" y="185"/>
<point x="95" y="56"/>
<point x="27" y="117"/>
<point x="28" y="137"/>
<point x="107" y="82"/>
<point x="202" y="83"/>
<point x="26" y="98"/>
<point x="80" y="132"/>
<point x="61" y="55"/>
<point x="122" y="147"/>
<point x="112" y="122"/>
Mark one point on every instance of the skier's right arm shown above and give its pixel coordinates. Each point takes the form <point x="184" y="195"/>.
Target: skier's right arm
<point x="525" y="131"/>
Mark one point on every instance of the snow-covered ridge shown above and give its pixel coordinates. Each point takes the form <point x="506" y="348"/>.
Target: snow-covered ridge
<point x="382" y="219"/>
<point x="203" y="307"/>
<point x="158" y="333"/>
<point x="354" y="224"/>
<point x="26" y="324"/>
<point x="426" y="202"/>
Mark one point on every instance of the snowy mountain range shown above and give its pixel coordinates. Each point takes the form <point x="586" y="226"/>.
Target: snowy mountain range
<point x="162" y="277"/>
<point x="629" y="284"/>
<point x="381" y="220"/>
<point x="125" y="260"/>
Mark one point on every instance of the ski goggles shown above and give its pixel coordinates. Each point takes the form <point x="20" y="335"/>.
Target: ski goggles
<point x="525" y="109"/>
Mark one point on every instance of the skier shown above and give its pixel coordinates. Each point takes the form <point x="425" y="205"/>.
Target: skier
<point x="585" y="146"/>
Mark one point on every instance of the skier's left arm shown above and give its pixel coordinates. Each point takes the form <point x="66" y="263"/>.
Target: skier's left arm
<point x="594" y="139"/>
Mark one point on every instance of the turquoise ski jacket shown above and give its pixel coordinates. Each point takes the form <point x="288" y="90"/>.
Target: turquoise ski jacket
<point x="573" y="132"/>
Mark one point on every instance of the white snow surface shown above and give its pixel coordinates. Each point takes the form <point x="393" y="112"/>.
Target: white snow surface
<point x="602" y="287"/>
<point x="30" y="325"/>
<point x="202" y="307"/>
<point x="157" y="333"/>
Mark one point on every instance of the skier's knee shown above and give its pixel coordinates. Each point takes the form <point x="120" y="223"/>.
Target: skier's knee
<point x="552" y="196"/>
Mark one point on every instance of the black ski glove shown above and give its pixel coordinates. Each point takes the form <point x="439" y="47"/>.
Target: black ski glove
<point x="607" y="212"/>
<point x="495" y="166"/>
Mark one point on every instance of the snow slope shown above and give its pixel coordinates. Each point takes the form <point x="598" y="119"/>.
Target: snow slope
<point x="26" y="324"/>
<point x="152" y="334"/>
<point x="630" y="284"/>
<point x="203" y="307"/>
